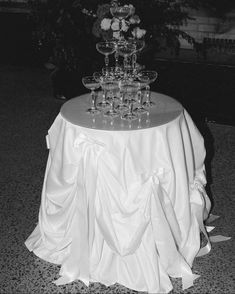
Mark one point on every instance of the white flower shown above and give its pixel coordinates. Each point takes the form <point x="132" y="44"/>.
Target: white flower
<point x="105" y="24"/>
<point x="115" y="25"/>
<point x="84" y="10"/>
<point x="134" y="19"/>
<point x="138" y="32"/>
<point x="116" y="35"/>
<point x="132" y="8"/>
<point x="124" y="27"/>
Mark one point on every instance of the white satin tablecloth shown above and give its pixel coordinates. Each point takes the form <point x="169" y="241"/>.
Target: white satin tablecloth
<point x="123" y="204"/>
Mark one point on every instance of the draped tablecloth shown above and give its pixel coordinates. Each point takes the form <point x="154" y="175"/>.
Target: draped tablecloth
<point x="123" y="203"/>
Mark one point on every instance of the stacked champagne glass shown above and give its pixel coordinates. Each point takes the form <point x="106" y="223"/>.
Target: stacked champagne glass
<point x="125" y="89"/>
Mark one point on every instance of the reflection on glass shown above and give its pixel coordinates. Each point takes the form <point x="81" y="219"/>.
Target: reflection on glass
<point x="120" y="12"/>
<point x="139" y="45"/>
<point x="90" y="83"/>
<point x="126" y="50"/>
<point x="130" y="89"/>
<point x="106" y="48"/>
<point x="148" y="77"/>
<point x="111" y="87"/>
<point x="140" y="109"/>
<point x="99" y="77"/>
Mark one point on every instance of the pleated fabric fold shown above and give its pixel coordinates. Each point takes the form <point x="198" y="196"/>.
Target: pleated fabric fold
<point x="123" y="207"/>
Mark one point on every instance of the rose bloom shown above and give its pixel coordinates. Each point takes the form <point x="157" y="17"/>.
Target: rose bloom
<point x="115" y="25"/>
<point x="134" y="19"/>
<point x="138" y="32"/>
<point x="132" y="8"/>
<point x="105" y="24"/>
<point x="125" y="27"/>
<point x="116" y="35"/>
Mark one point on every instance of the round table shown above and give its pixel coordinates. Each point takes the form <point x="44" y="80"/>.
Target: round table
<point x="123" y="202"/>
<point x="165" y="110"/>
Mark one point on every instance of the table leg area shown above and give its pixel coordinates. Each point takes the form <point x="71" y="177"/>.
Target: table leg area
<point x="123" y="207"/>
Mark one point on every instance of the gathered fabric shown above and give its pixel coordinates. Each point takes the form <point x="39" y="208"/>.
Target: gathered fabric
<point x="124" y="206"/>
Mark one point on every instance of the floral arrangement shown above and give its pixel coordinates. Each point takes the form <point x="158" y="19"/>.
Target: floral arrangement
<point x="65" y="31"/>
<point x="108" y="27"/>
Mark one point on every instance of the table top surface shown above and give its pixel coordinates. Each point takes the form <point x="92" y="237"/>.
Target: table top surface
<point x="165" y="110"/>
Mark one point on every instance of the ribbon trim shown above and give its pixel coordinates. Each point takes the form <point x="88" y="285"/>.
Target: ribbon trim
<point x="77" y="264"/>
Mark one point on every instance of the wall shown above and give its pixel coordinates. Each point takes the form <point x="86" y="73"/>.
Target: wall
<point x="206" y="26"/>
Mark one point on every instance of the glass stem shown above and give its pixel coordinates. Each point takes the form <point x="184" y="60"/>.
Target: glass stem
<point x="139" y="122"/>
<point x="134" y="60"/>
<point x="140" y="98"/>
<point x="93" y="99"/>
<point x="111" y="106"/>
<point x="111" y="101"/>
<point x="121" y="98"/>
<point x="106" y="60"/>
<point x="116" y="59"/>
<point x="103" y="97"/>
<point x="125" y="62"/>
<point x="147" y="93"/>
<point x="120" y="28"/>
<point x="147" y="119"/>
<point x="130" y="107"/>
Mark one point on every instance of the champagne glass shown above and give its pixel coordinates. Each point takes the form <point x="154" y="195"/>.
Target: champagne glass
<point x="118" y="73"/>
<point x="126" y="50"/>
<point x="113" y="73"/>
<point x="120" y="12"/>
<point x="99" y="77"/>
<point x="148" y="77"/>
<point x="119" y="42"/>
<point x="108" y="71"/>
<point x="131" y="89"/>
<point x="139" y="45"/>
<point x="110" y="86"/>
<point x="106" y="48"/>
<point x="122" y="106"/>
<point x="140" y="109"/>
<point x="90" y="83"/>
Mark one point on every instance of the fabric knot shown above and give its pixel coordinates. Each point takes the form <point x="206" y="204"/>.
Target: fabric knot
<point x="153" y="175"/>
<point x="198" y="185"/>
<point x="83" y="141"/>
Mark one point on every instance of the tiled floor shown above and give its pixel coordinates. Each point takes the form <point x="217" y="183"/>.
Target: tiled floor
<point x="27" y="110"/>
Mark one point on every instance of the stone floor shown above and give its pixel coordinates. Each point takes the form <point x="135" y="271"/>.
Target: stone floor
<point x="27" y="109"/>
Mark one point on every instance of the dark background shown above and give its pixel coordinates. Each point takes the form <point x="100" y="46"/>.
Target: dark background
<point x="205" y="87"/>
